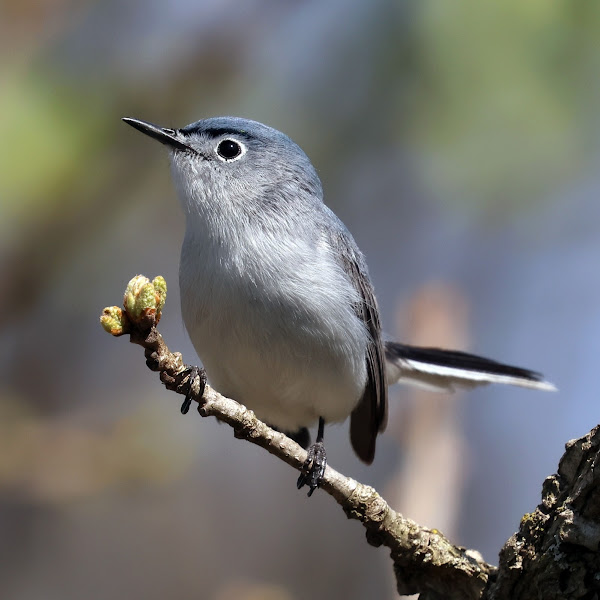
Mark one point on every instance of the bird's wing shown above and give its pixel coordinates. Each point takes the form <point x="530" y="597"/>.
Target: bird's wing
<point x="370" y="415"/>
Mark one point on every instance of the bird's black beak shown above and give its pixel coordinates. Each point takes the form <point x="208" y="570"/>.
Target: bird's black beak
<point x="169" y="137"/>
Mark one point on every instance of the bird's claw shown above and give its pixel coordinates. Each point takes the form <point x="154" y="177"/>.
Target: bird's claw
<point x="192" y="384"/>
<point x="313" y="468"/>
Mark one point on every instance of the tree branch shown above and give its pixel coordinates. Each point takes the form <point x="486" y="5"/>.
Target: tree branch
<point x="554" y="555"/>
<point x="423" y="559"/>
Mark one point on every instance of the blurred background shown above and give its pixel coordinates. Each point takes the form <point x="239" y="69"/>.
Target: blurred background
<point x="458" y="141"/>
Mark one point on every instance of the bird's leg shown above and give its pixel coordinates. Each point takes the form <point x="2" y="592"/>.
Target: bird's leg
<point x="313" y="468"/>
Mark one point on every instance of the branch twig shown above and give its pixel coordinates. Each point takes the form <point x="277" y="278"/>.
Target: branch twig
<point x="424" y="560"/>
<point x="553" y="556"/>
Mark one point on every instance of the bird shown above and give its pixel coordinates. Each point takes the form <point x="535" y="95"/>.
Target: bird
<point x="276" y="295"/>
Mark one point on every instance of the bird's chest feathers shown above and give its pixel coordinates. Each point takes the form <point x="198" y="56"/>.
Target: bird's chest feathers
<point x="263" y="288"/>
<point x="271" y="323"/>
<point x="231" y="284"/>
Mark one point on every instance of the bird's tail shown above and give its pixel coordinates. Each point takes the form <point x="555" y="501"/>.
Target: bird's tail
<point x="450" y="370"/>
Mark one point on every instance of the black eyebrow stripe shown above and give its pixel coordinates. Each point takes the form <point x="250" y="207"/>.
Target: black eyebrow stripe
<point x="216" y="132"/>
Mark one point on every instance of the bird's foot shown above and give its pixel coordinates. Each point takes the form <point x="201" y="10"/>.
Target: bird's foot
<point x="193" y="382"/>
<point x="313" y="468"/>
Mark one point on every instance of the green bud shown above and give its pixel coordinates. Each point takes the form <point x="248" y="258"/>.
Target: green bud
<point x="144" y="300"/>
<point x="132" y="292"/>
<point x="114" y="320"/>
<point x="160" y="286"/>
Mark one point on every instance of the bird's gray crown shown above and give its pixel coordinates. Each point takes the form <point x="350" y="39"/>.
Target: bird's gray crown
<point x="244" y="128"/>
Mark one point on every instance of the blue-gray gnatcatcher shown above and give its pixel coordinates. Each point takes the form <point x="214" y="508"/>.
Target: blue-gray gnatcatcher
<point x="276" y="295"/>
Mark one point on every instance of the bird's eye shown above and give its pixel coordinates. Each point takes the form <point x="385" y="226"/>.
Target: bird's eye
<point x="230" y="150"/>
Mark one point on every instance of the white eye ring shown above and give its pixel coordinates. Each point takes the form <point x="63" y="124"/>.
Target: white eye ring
<point x="230" y="149"/>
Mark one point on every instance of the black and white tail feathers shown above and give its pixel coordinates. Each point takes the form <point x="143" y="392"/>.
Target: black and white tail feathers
<point x="449" y="370"/>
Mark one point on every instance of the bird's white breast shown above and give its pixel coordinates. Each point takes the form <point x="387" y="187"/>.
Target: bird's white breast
<point x="255" y="311"/>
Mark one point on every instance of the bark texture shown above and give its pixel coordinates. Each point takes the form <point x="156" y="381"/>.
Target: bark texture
<point x="555" y="554"/>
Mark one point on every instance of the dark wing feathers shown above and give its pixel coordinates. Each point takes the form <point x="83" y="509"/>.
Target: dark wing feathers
<point x="370" y="415"/>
